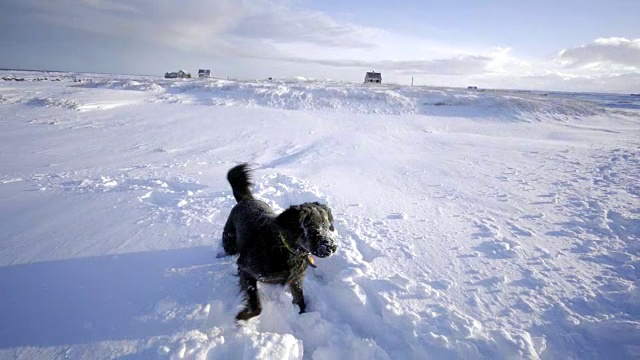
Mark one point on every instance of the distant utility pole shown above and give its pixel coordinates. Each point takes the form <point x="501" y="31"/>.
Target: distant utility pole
<point x="412" y="81"/>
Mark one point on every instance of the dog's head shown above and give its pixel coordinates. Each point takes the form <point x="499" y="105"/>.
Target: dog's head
<point x="312" y="226"/>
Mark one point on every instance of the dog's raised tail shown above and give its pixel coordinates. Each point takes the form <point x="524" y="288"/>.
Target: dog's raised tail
<point x="240" y="179"/>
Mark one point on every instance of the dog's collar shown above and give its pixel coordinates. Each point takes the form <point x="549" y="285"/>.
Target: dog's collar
<point x="307" y="256"/>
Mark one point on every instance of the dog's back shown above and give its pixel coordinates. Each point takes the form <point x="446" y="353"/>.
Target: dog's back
<point x="246" y="221"/>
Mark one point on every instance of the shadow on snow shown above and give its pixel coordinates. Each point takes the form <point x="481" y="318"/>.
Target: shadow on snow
<point x="102" y="298"/>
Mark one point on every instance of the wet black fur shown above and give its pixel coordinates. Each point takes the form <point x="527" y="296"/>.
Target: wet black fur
<point x="257" y="234"/>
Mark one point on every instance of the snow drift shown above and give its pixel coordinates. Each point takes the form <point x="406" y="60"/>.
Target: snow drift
<point x="471" y="224"/>
<point x="366" y="99"/>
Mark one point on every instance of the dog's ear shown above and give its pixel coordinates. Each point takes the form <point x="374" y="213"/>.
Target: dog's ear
<point x="290" y="218"/>
<point x="326" y="209"/>
<point x="330" y="216"/>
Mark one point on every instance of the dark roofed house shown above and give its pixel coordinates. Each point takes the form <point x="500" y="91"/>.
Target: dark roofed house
<point x="373" y="77"/>
<point x="204" y="73"/>
<point x="177" y="75"/>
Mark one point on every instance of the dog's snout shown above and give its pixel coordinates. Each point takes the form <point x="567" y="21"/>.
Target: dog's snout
<point x="326" y="250"/>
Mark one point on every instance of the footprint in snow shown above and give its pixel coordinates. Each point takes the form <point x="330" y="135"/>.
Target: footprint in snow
<point x="397" y="216"/>
<point x="499" y="249"/>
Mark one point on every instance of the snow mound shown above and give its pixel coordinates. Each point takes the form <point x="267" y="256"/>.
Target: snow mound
<point x="360" y="99"/>
<point x="318" y="95"/>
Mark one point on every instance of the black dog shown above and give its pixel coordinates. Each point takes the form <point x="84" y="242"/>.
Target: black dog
<point x="273" y="248"/>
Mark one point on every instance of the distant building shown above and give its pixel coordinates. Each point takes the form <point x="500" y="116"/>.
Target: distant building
<point x="204" y="73"/>
<point x="373" y="77"/>
<point x="177" y="75"/>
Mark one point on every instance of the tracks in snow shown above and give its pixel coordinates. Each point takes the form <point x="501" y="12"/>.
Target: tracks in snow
<point x="563" y="248"/>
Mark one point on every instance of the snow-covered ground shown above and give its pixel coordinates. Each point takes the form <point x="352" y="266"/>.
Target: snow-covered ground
<point x="472" y="224"/>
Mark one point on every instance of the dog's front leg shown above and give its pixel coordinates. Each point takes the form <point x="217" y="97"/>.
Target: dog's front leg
<point x="298" y="296"/>
<point x="249" y="286"/>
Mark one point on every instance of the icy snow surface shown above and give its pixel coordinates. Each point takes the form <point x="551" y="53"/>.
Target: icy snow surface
<point x="471" y="224"/>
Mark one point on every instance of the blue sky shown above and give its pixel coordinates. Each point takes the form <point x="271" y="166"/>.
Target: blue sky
<point x="556" y="45"/>
<point x="535" y="25"/>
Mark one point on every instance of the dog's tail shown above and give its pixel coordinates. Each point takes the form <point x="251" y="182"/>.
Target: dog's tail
<point x="240" y="179"/>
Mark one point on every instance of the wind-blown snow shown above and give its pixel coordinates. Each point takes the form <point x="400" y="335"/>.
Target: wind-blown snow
<point x="472" y="224"/>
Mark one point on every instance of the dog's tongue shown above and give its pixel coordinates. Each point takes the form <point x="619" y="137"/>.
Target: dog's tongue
<point x="310" y="261"/>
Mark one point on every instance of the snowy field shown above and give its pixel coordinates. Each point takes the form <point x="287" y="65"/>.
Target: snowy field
<point x="495" y="225"/>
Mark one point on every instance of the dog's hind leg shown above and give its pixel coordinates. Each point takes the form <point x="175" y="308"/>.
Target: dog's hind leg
<point x="298" y="295"/>
<point x="249" y="286"/>
<point x="229" y="243"/>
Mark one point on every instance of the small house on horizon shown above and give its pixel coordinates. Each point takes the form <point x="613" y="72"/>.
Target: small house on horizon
<point x="373" y="77"/>
<point x="177" y="75"/>
<point x="204" y="73"/>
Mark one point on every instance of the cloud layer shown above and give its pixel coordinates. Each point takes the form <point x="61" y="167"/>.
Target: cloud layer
<point x="266" y="34"/>
<point x="611" y="51"/>
<point x="197" y="25"/>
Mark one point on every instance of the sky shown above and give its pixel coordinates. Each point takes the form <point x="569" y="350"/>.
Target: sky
<point x="564" y="45"/>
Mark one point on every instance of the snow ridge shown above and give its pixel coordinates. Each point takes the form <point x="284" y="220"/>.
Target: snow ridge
<point x="387" y="100"/>
<point x="297" y="94"/>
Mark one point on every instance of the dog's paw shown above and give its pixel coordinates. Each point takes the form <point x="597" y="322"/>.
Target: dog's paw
<point x="247" y="314"/>
<point x="303" y="307"/>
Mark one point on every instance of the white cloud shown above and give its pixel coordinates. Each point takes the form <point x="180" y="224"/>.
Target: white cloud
<point x="282" y="24"/>
<point x="110" y="5"/>
<point x="562" y="81"/>
<point x="458" y="65"/>
<point x="613" y="51"/>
